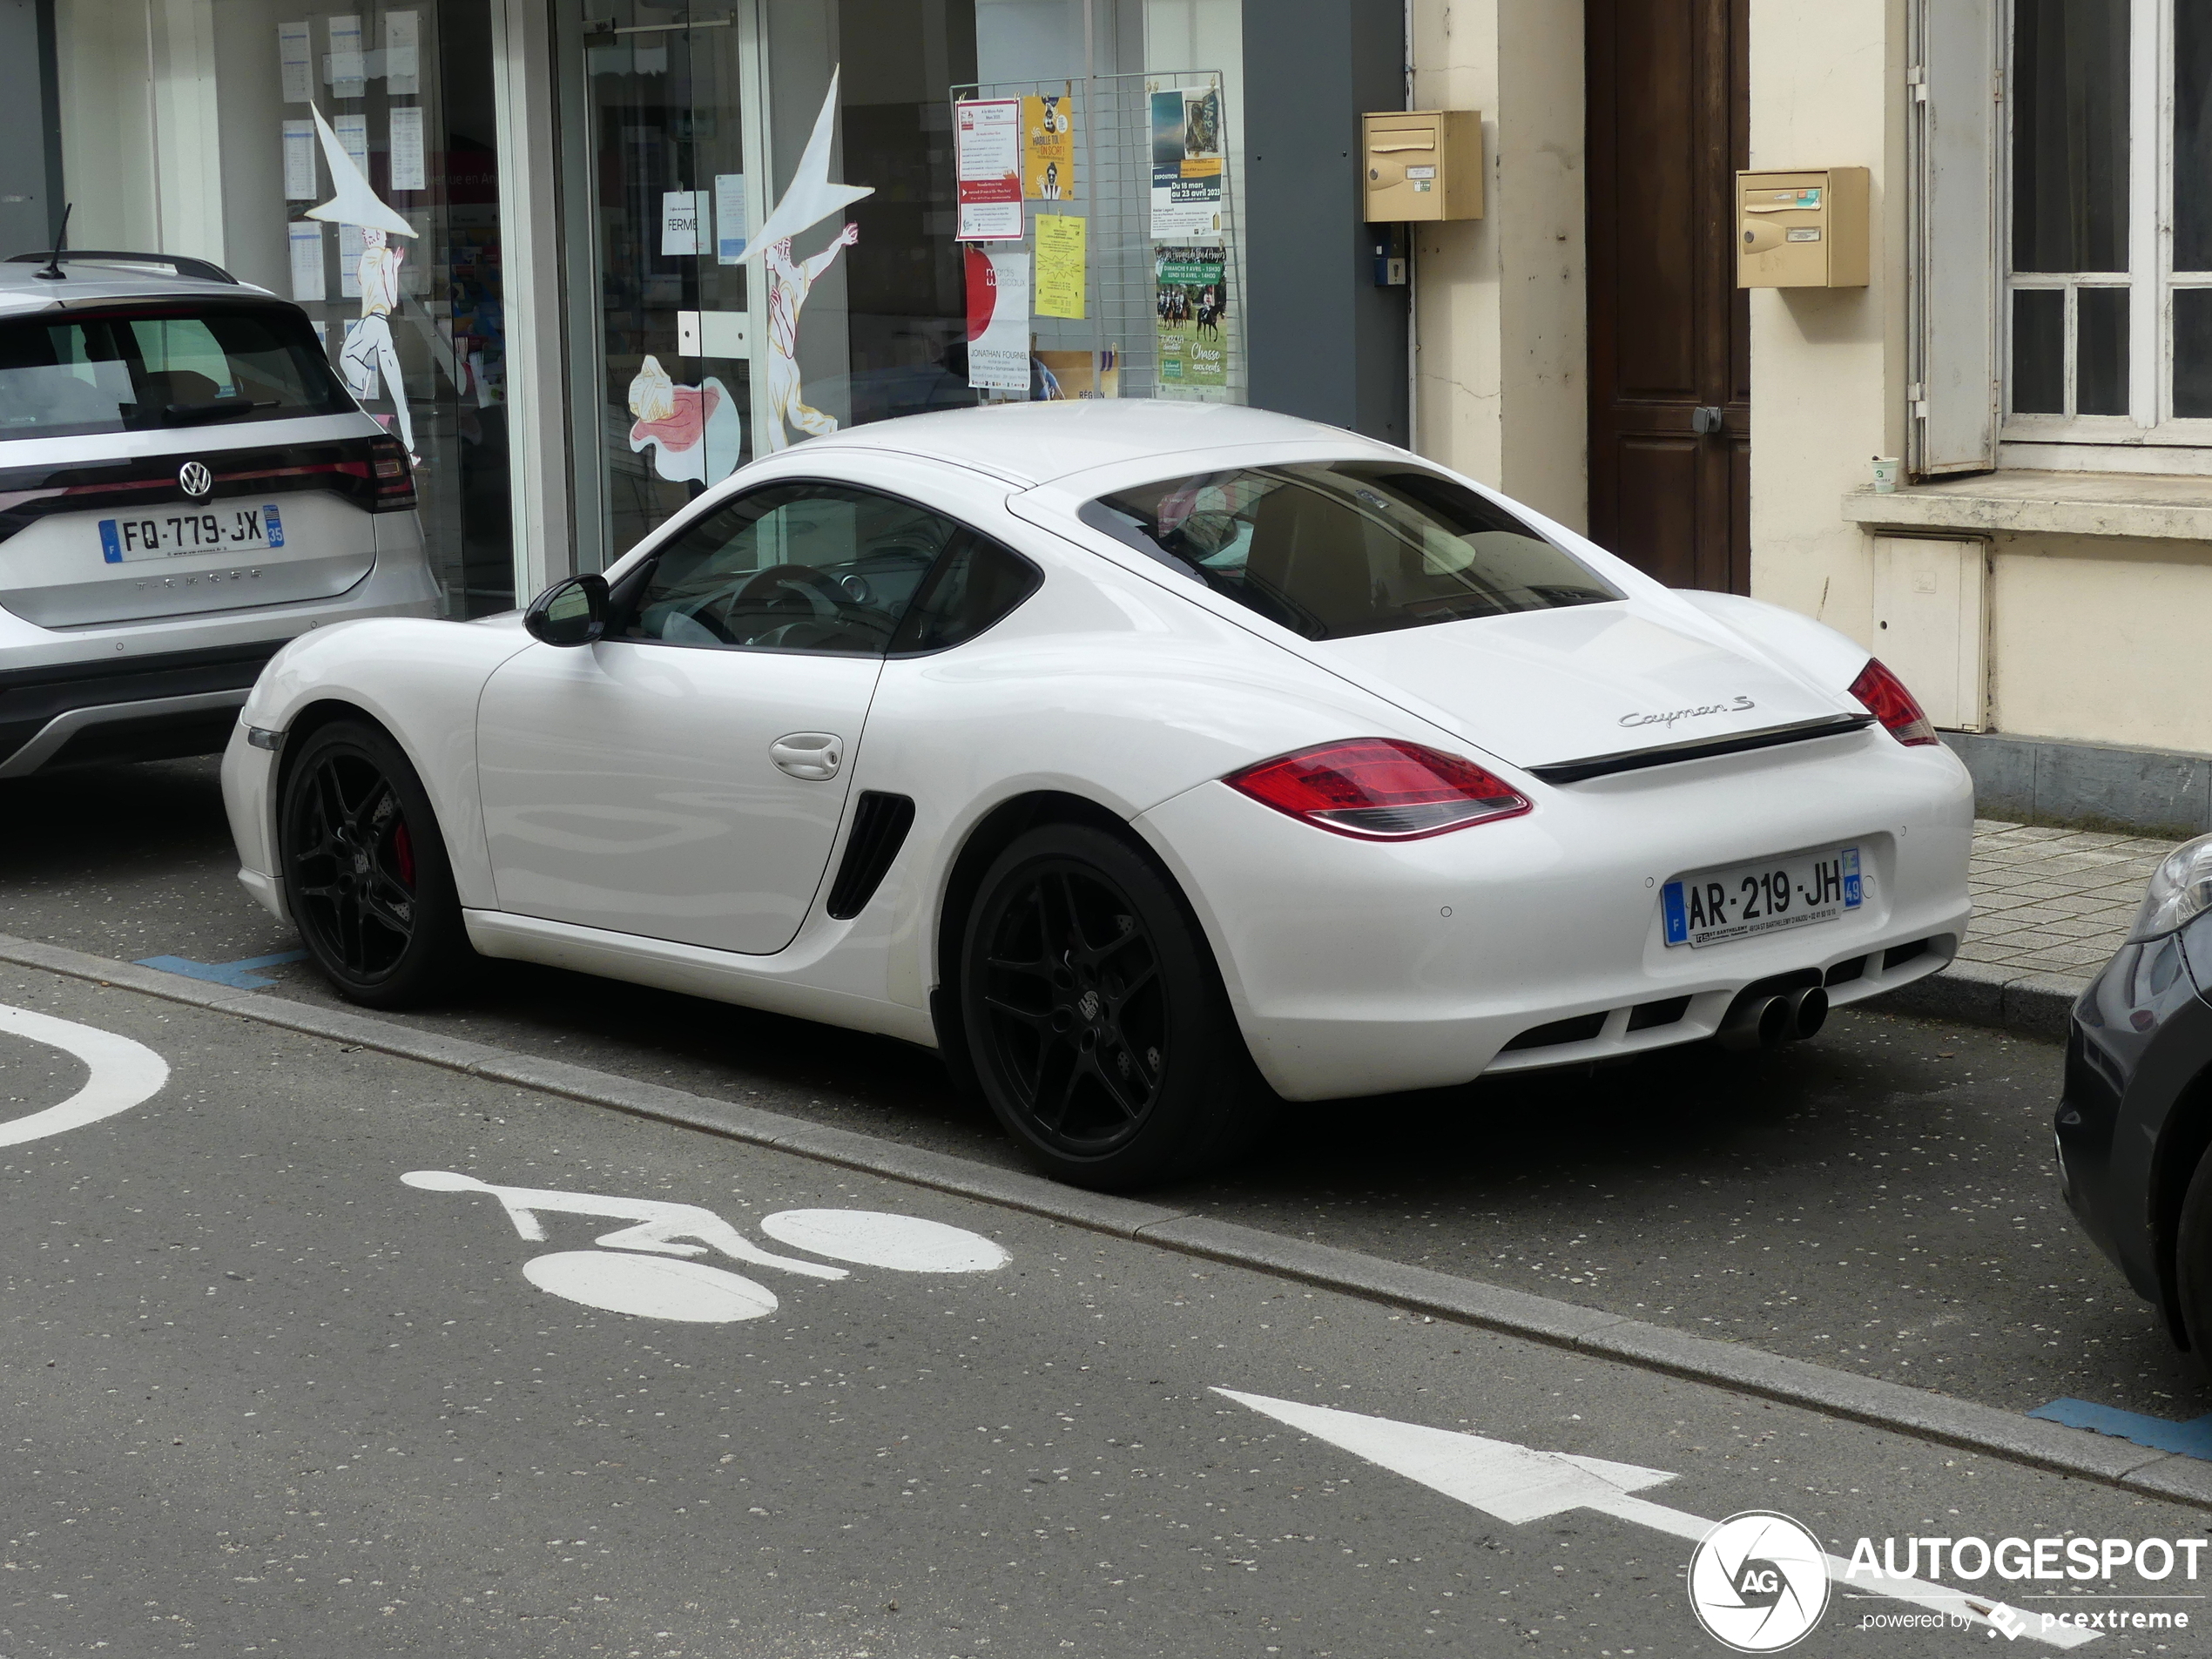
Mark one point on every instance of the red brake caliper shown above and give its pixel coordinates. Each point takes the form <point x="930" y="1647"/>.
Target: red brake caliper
<point x="403" y="854"/>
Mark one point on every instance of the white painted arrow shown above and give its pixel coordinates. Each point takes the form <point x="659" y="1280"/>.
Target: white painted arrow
<point x="1517" y="1484"/>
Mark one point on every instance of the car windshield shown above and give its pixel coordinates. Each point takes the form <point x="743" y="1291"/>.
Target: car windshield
<point x="1333" y="549"/>
<point x="147" y="368"/>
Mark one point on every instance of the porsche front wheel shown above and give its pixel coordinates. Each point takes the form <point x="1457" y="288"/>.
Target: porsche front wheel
<point x="1095" y="1018"/>
<point x="365" y="870"/>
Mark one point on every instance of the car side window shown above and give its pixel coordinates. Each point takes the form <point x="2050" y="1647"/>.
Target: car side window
<point x="791" y="567"/>
<point x="973" y="585"/>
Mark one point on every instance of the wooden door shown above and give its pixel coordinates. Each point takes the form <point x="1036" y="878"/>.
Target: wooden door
<point x="1670" y="384"/>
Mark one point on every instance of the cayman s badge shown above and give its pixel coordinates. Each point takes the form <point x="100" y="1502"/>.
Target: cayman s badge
<point x="195" y="480"/>
<point x="1734" y="706"/>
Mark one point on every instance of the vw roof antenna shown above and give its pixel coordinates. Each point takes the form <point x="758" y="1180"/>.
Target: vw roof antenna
<point x="52" y="269"/>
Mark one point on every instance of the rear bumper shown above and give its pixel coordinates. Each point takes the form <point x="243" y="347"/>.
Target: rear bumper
<point x="1357" y="967"/>
<point x="177" y="702"/>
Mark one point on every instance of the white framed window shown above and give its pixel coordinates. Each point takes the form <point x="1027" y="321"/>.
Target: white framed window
<point x="2105" y="232"/>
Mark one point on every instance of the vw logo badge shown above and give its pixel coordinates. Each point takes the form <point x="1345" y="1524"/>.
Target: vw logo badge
<point x="196" y="479"/>
<point x="1758" y="1583"/>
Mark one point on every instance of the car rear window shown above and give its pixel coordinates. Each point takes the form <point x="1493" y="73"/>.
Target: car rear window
<point x="1333" y="549"/>
<point x="146" y="368"/>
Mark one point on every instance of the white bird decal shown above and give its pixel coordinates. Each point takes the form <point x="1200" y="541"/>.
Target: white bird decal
<point x="352" y="202"/>
<point x="810" y="198"/>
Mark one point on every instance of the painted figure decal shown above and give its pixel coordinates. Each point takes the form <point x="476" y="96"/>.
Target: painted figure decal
<point x="787" y="288"/>
<point x="693" y="431"/>
<point x="368" y="348"/>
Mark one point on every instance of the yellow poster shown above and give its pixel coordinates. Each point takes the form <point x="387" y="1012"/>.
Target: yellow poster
<point x="1048" y="146"/>
<point x="1060" y="265"/>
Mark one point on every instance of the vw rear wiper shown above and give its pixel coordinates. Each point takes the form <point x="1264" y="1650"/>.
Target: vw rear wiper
<point x="221" y="409"/>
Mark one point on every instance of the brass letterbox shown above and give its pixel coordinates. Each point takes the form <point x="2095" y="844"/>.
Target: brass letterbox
<point x="1420" y="164"/>
<point x="1802" y="230"/>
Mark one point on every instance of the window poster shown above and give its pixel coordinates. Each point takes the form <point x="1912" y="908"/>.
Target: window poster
<point x="353" y="138"/>
<point x="986" y="147"/>
<point x="305" y="242"/>
<point x="295" y="53"/>
<point x="403" y="58"/>
<point x="1060" y="239"/>
<point x="347" y="69"/>
<point x="682" y="215"/>
<point x="1048" y="146"/>
<point x="299" y="161"/>
<point x="731" y="220"/>
<point x="1190" y="300"/>
<point x="998" y="319"/>
<point x="1186" y="160"/>
<point x="350" y="246"/>
<point x="407" y="148"/>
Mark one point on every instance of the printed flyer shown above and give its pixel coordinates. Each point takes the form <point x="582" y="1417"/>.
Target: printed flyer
<point x="1061" y="238"/>
<point x="998" y="319"/>
<point x="987" y="148"/>
<point x="1186" y="160"/>
<point x="1190" y="300"/>
<point x="1048" y="146"/>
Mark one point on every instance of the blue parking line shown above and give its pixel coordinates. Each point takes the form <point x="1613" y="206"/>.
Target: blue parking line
<point x="239" y="975"/>
<point x="2192" y="1438"/>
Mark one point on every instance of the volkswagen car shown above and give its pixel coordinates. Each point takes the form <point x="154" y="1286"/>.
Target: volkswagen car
<point x="185" y="485"/>
<point x="1148" y="760"/>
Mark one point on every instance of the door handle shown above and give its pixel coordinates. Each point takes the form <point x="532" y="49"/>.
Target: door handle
<point x="1708" y="420"/>
<point x="813" y="756"/>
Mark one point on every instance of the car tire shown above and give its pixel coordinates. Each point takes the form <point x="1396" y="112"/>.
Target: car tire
<point x="1096" y="1019"/>
<point x="365" y="870"/>
<point x="2193" y="1264"/>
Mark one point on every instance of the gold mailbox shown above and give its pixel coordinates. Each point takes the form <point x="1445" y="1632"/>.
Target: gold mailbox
<point x="1422" y="164"/>
<point x="1801" y="230"/>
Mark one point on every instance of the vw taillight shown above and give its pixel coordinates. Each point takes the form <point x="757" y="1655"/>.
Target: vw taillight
<point x="391" y="477"/>
<point x="1379" y="789"/>
<point x="1888" y="701"/>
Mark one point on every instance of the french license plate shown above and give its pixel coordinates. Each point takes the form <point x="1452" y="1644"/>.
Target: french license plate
<point x="1763" y="898"/>
<point x="170" y="536"/>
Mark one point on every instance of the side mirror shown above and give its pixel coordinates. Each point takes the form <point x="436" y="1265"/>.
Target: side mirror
<point x="573" y="612"/>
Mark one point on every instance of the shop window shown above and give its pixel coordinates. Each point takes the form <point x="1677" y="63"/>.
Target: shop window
<point x="344" y="159"/>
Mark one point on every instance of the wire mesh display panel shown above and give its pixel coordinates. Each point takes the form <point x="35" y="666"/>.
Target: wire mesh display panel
<point x="1164" y="312"/>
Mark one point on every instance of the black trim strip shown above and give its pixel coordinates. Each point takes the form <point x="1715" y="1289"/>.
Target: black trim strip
<point x="1667" y="754"/>
<point x="880" y="827"/>
<point x="341" y="467"/>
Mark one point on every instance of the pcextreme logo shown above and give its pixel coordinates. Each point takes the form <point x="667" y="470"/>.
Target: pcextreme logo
<point x="1758" y="1582"/>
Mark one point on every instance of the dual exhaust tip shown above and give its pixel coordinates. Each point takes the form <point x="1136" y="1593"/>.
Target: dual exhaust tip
<point x="1769" y="1019"/>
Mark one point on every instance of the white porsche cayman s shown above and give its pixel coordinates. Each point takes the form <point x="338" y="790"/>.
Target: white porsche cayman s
<point x="1119" y="751"/>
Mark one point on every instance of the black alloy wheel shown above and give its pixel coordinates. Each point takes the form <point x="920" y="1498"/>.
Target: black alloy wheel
<point x="1095" y="1017"/>
<point x="365" y="869"/>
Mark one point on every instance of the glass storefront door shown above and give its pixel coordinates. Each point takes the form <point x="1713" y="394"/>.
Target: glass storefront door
<point x="670" y="200"/>
<point x="343" y="154"/>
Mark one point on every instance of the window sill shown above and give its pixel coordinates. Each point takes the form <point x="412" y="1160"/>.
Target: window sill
<point x="2140" y="506"/>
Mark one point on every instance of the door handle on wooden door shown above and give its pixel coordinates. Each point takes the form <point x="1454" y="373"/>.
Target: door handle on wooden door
<point x="813" y="756"/>
<point x="1707" y="419"/>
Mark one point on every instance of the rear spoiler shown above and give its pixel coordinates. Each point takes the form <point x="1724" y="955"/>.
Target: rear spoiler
<point x="183" y="265"/>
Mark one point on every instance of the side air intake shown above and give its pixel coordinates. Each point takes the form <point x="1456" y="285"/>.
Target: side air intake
<point x="880" y="827"/>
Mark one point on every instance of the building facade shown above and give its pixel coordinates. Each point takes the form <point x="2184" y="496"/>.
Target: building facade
<point x="2031" y="344"/>
<point x="588" y="256"/>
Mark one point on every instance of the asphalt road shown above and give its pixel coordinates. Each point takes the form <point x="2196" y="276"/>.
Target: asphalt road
<point x="264" y="1395"/>
<point x="1881" y="1199"/>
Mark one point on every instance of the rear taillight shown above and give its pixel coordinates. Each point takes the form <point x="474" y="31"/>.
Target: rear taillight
<point x="1888" y="701"/>
<point x="1379" y="789"/>
<point x="391" y="478"/>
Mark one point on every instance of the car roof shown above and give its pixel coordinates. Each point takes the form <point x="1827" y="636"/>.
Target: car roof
<point x="21" y="289"/>
<point x="1035" y="443"/>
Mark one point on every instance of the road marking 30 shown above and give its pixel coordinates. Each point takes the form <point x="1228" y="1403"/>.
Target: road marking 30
<point x="124" y="1074"/>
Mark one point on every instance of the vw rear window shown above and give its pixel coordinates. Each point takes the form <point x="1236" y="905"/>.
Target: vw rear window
<point x="149" y="368"/>
<point x="1337" y="549"/>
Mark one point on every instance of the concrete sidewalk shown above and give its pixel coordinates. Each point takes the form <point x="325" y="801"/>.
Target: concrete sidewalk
<point x="2051" y="905"/>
